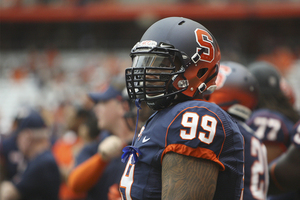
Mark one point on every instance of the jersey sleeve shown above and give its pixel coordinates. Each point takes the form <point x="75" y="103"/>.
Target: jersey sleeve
<point x="198" y="132"/>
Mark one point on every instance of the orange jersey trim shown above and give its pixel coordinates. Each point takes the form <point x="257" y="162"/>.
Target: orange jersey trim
<point x="198" y="152"/>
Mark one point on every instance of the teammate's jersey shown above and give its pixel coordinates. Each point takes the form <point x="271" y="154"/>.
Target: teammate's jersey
<point x="256" y="165"/>
<point x="193" y="128"/>
<point x="271" y="127"/>
<point x="296" y="135"/>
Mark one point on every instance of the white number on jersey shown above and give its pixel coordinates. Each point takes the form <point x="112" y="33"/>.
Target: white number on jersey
<point x="191" y="119"/>
<point x="263" y="123"/>
<point x="127" y="180"/>
<point x="259" y="187"/>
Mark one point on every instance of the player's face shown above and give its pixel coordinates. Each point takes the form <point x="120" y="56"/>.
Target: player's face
<point x="108" y="113"/>
<point x="156" y="67"/>
<point x="24" y="141"/>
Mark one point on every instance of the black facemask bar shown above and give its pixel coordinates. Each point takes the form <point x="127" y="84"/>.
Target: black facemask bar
<point x="139" y="79"/>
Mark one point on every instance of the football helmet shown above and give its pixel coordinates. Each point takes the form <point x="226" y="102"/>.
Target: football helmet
<point x="175" y="55"/>
<point x="288" y="91"/>
<point x="237" y="90"/>
<point x="267" y="75"/>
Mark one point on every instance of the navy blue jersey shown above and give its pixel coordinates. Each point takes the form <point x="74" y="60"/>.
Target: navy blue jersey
<point x="256" y="180"/>
<point x="111" y="175"/>
<point x="12" y="158"/>
<point x="296" y="135"/>
<point x="271" y="127"/>
<point x="193" y="128"/>
<point x="41" y="179"/>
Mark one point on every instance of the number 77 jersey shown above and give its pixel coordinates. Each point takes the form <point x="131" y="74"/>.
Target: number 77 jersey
<point x="194" y="128"/>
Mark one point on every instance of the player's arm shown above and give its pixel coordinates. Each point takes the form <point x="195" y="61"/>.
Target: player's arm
<point x="8" y="191"/>
<point x="186" y="177"/>
<point x="285" y="173"/>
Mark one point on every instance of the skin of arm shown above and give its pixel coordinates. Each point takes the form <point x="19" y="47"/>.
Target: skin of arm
<point x="186" y="177"/>
<point x="9" y="191"/>
<point x="285" y="173"/>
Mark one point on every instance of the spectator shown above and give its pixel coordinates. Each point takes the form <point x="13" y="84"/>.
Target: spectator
<point x="89" y="130"/>
<point x="41" y="177"/>
<point x="98" y="166"/>
<point x="68" y="146"/>
<point x="12" y="162"/>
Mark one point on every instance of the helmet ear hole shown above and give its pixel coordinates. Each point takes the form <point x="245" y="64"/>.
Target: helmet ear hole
<point x="201" y="72"/>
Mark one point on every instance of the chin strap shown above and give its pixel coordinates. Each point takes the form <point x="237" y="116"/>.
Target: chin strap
<point x="131" y="149"/>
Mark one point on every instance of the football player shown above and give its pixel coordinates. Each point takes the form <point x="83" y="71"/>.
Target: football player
<point x="274" y="117"/>
<point x="237" y="93"/>
<point x="189" y="148"/>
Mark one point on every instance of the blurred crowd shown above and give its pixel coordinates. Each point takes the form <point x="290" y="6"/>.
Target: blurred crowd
<point x="52" y="79"/>
<point x="76" y="92"/>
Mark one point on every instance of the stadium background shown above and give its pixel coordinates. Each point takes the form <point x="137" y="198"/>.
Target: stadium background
<point x="52" y="52"/>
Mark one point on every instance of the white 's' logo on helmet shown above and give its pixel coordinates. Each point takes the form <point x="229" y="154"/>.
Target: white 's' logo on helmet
<point x="205" y="41"/>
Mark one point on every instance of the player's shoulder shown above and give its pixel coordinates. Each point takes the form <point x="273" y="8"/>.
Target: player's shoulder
<point x="264" y="112"/>
<point x="246" y="131"/>
<point x="202" y="108"/>
<point x="196" y="105"/>
<point x="267" y="113"/>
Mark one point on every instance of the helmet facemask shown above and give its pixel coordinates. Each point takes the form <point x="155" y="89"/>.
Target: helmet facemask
<point x="152" y="73"/>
